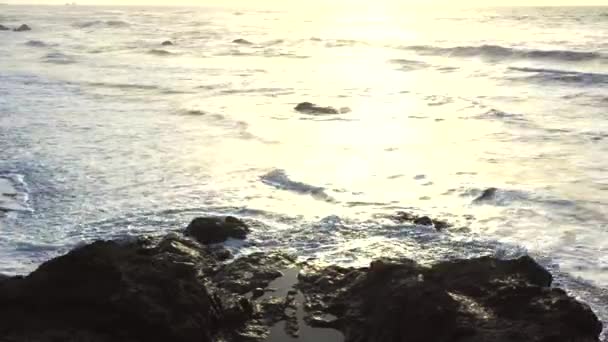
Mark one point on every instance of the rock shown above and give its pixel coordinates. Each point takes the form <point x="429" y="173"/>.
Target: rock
<point x="309" y="108"/>
<point x="242" y="42"/>
<point x="440" y="224"/>
<point x="423" y="221"/>
<point x="109" y="291"/>
<point x="486" y="195"/>
<point x="4" y="28"/>
<point x="403" y="216"/>
<point x="475" y="300"/>
<point x="167" y="43"/>
<point x="257" y="292"/>
<point x="208" y="230"/>
<point x="174" y="289"/>
<point x="22" y="28"/>
<point x="222" y="254"/>
<point x="253" y="271"/>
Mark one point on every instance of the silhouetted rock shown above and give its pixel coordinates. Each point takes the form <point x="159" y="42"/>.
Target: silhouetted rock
<point x="108" y="291"/>
<point x="4" y="28"/>
<point x="473" y="300"/>
<point x="242" y="42"/>
<point x="207" y="230"/>
<point x="174" y="289"/>
<point x="167" y="43"/>
<point x="310" y="108"/>
<point x="22" y="28"/>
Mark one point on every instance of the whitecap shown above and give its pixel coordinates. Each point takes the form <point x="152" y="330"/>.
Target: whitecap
<point x="279" y="179"/>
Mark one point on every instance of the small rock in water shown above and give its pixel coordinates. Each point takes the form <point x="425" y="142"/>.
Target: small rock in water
<point x="22" y="28"/>
<point x="424" y="221"/>
<point x="4" y="28"/>
<point x="487" y="194"/>
<point x="440" y="224"/>
<point x="208" y="230"/>
<point x="167" y="43"/>
<point x="242" y="41"/>
<point x="403" y="216"/>
<point x="310" y="108"/>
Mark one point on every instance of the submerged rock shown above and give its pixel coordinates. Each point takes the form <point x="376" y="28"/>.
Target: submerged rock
<point x="310" y="108"/>
<point x="207" y="230"/>
<point x="242" y="42"/>
<point x="167" y="43"/>
<point x="4" y="28"/>
<point x="22" y="28"/>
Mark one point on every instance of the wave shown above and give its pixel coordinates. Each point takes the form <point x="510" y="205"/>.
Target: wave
<point x="341" y="43"/>
<point x="501" y="52"/>
<point x="36" y="43"/>
<point x="13" y="193"/>
<point x="193" y="112"/>
<point x="124" y="86"/>
<point x="101" y="23"/>
<point x="547" y="75"/>
<point x="159" y="52"/>
<point x="409" y="65"/>
<point x="58" y="58"/>
<point x="279" y="179"/>
<point x="266" y="91"/>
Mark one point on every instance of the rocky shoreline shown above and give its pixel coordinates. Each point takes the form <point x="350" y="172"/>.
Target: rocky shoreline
<point x="183" y="288"/>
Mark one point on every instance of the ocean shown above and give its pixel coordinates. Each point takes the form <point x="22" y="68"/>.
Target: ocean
<point x="106" y="133"/>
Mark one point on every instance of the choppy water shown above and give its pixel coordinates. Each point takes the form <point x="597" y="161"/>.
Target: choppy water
<point x="105" y="133"/>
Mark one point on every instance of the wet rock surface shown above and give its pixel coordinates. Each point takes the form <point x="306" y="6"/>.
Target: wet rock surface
<point x="207" y="230"/>
<point x="174" y="288"/>
<point x="481" y="299"/>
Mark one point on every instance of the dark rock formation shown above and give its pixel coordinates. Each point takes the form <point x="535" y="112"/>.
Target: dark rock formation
<point x="486" y="195"/>
<point x="310" y="108"/>
<point x="403" y="216"/>
<point x="207" y="230"/>
<point x="466" y="300"/>
<point x="242" y="42"/>
<point x="253" y="272"/>
<point x="108" y="291"/>
<point x="167" y="43"/>
<point x="423" y="221"/>
<point x="4" y="28"/>
<point x="174" y="289"/>
<point x="22" y="28"/>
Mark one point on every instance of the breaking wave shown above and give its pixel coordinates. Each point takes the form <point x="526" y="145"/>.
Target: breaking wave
<point x="501" y="52"/>
<point x="279" y="179"/>
<point x="101" y="23"/>
<point x="563" y="75"/>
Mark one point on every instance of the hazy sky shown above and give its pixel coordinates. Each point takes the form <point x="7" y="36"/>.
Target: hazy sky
<point x="267" y="3"/>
